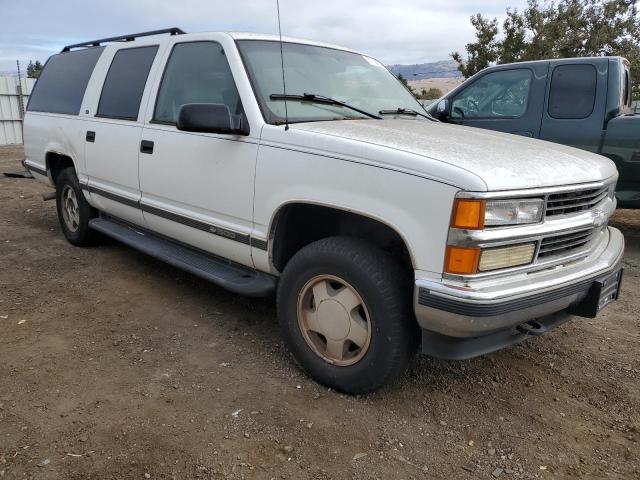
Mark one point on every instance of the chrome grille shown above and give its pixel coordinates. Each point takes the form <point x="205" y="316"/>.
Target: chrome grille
<point x="577" y="201"/>
<point x="565" y="244"/>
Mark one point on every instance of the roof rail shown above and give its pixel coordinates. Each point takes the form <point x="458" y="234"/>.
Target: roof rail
<point x="125" y="38"/>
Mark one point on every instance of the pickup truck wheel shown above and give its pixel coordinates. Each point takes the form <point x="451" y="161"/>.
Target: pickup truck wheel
<point x="74" y="212"/>
<point x="344" y="308"/>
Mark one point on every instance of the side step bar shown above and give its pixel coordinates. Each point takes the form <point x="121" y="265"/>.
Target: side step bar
<point x="235" y="278"/>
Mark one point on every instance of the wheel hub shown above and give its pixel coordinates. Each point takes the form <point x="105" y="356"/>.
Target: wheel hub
<point x="334" y="320"/>
<point x="70" y="209"/>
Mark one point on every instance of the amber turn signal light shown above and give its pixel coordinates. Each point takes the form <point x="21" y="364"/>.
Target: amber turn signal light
<point x="468" y="214"/>
<point x="462" y="260"/>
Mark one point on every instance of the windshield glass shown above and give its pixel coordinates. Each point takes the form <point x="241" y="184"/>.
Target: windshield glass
<point x="351" y="78"/>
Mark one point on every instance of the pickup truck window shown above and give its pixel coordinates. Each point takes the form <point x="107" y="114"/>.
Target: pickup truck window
<point x="573" y="91"/>
<point x="197" y="72"/>
<point x="63" y="81"/>
<point x="348" y="77"/>
<point x="125" y="82"/>
<point x="501" y="94"/>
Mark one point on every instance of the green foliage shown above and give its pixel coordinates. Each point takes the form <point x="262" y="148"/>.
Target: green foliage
<point x="484" y="51"/>
<point x="430" y="94"/>
<point x="34" y="69"/>
<point x="403" y="80"/>
<point x="556" y="29"/>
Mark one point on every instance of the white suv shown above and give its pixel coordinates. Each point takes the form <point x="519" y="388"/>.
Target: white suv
<point x="380" y="229"/>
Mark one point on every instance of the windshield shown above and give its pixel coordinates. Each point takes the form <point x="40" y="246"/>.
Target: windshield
<point x="351" y="78"/>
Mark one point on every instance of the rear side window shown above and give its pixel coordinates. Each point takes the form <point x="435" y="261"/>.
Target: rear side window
<point x="63" y="81"/>
<point x="125" y="82"/>
<point x="197" y="72"/>
<point x="573" y="91"/>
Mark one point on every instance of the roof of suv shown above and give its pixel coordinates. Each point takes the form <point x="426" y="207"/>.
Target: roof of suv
<point x="135" y="37"/>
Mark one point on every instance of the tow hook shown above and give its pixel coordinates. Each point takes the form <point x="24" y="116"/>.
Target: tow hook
<point x="531" y="327"/>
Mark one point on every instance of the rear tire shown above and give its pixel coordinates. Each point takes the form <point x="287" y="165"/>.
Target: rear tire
<point x="74" y="212"/>
<point x="345" y="312"/>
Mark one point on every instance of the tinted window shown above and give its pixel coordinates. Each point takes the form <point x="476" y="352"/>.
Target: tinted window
<point x="63" y="80"/>
<point x="573" y="91"/>
<point x="123" y="87"/>
<point x="499" y="94"/>
<point x="197" y="72"/>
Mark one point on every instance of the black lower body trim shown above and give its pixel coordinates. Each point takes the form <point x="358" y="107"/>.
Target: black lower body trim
<point x="455" y="348"/>
<point x="189" y="222"/>
<point x="474" y="309"/>
<point x="37" y="170"/>
<point x="112" y="196"/>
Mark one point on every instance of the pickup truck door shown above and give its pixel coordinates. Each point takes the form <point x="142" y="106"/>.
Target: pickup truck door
<point x="112" y="136"/>
<point x="575" y="107"/>
<point x="508" y="99"/>
<point x="197" y="188"/>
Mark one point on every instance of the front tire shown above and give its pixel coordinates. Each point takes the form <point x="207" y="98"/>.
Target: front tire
<point x="74" y="212"/>
<point x="344" y="308"/>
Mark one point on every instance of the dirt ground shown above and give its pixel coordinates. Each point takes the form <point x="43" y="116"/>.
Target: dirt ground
<point x="114" y="365"/>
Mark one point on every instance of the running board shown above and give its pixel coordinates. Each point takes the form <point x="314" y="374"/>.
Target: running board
<point x="235" y="278"/>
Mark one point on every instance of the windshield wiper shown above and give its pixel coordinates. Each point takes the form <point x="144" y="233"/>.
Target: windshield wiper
<point x="313" y="98"/>
<point x="405" y="111"/>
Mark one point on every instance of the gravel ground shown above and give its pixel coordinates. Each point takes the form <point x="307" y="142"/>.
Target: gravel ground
<point x="114" y="365"/>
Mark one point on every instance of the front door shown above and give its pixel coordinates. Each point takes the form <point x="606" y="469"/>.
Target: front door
<point x="197" y="188"/>
<point x="508" y="100"/>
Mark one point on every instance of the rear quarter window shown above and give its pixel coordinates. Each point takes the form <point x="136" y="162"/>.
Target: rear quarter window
<point x="573" y="91"/>
<point x="63" y="81"/>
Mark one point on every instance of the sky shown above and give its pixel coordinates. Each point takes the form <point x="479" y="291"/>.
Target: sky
<point x="393" y="31"/>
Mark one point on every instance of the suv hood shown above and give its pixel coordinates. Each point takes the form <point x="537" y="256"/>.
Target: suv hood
<point x="501" y="161"/>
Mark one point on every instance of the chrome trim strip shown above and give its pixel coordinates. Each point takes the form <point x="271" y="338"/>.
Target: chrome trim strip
<point x="536" y="192"/>
<point x="556" y="225"/>
<point x="527" y="283"/>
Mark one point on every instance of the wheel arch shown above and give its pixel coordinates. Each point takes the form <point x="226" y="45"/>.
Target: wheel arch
<point x="56" y="161"/>
<point x="284" y="242"/>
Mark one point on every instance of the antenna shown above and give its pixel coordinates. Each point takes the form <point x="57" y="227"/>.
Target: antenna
<point x="284" y="85"/>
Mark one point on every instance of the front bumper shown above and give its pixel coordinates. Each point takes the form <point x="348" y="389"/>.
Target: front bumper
<point x="491" y="306"/>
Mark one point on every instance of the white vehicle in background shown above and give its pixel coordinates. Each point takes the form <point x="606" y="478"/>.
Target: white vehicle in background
<point x="380" y="229"/>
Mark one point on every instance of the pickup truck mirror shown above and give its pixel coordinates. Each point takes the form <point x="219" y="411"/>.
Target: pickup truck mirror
<point x="209" y="118"/>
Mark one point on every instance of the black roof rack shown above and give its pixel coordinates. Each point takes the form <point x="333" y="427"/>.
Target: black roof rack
<point x="125" y="38"/>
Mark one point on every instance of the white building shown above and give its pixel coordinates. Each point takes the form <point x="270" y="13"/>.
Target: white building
<point x="11" y="111"/>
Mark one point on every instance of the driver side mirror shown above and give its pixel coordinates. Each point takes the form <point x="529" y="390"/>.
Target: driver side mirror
<point x="210" y="118"/>
<point x="442" y="109"/>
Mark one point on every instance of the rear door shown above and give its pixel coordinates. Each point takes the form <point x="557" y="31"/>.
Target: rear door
<point x="113" y="135"/>
<point x="575" y="108"/>
<point x="508" y="99"/>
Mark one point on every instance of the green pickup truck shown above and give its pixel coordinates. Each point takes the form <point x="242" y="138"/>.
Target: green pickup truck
<point x="581" y="102"/>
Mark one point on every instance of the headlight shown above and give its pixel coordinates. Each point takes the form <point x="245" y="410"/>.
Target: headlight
<point x="513" y="212"/>
<point x="477" y="214"/>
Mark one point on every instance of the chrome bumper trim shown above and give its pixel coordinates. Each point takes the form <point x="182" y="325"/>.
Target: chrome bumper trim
<point x="513" y="300"/>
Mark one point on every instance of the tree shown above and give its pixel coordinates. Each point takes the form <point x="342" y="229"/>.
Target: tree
<point x="430" y="94"/>
<point x="34" y="69"/>
<point x="556" y="29"/>
<point x="484" y="51"/>
<point x="404" y="82"/>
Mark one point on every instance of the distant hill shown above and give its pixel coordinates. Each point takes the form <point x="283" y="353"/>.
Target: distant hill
<point x="422" y="71"/>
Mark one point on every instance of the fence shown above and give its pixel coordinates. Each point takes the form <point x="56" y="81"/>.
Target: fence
<point x="13" y="100"/>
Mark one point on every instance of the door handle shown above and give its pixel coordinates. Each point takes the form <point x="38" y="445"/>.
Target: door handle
<point x="91" y="136"/>
<point x="146" y="146"/>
